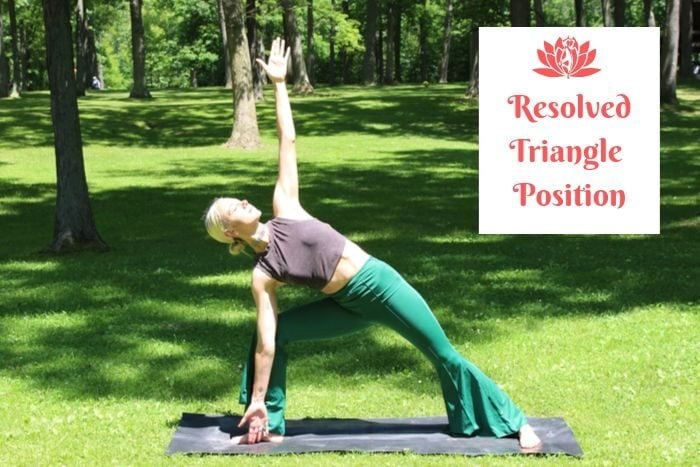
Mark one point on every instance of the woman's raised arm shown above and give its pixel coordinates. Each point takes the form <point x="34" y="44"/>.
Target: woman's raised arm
<point x="285" y="202"/>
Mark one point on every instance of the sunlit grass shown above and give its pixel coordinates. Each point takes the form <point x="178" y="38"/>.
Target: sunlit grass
<point x="100" y="353"/>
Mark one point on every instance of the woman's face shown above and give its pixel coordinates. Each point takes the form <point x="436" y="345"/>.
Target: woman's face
<point x="240" y="216"/>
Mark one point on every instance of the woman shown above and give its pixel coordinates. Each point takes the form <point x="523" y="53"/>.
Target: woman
<point x="295" y="248"/>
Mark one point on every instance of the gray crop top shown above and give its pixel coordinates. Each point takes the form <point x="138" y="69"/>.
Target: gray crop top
<point x="302" y="252"/>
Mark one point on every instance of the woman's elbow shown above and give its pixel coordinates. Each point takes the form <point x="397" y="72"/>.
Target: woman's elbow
<point x="288" y="138"/>
<point x="266" y="349"/>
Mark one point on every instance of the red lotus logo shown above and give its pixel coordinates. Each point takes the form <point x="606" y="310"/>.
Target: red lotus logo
<point x="566" y="58"/>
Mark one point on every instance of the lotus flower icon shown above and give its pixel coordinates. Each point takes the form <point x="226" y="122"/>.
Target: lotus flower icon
<point x="566" y="58"/>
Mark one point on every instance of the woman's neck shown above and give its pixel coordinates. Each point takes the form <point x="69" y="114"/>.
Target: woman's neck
<point x="258" y="241"/>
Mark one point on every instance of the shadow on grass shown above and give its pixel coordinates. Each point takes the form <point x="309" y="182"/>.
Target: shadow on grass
<point x="203" y="117"/>
<point x="167" y="314"/>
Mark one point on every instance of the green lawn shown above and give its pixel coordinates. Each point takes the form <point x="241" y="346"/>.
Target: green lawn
<point x="101" y="352"/>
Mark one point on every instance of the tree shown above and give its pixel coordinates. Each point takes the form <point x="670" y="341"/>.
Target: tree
<point x="580" y="9"/>
<point x="539" y="14"/>
<point x="390" y="33"/>
<point x="397" y="43"/>
<point x="520" y="13"/>
<point x="473" y="87"/>
<point x="23" y="52"/>
<point x="344" y="56"/>
<point x="300" y="78"/>
<point x="331" y="47"/>
<point x="310" y="54"/>
<point x="607" y="13"/>
<point x="81" y="48"/>
<point x="138" y="52"/>
<point x="245" y="133"/>
<point x="4" y="66"/>
<point x="73" y="221"/>
<point x="379" y="49"/>
<point x="93" y="65"/>
<point x="669" y="53"/>
<point x="255" y="43"/>
<point x="369" y="60"/>
<point x="16" y="79"/>
<point x="619" y="13"/>
<point x="228" y="80"/>
<point x="649" y="19"/>
<point x="446" y="38"/>
<point x="423" y="26"/>
<point x="685" y="45"/>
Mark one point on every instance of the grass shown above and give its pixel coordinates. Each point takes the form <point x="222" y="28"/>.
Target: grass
<point x="100" y="353"/>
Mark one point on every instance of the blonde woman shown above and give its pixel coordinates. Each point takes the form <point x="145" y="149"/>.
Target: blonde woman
<point x="295" y="248"/>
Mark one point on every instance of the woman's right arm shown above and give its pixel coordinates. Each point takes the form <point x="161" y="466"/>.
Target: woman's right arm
<point x="265" y="295"/>
<point x="285" y="201"/>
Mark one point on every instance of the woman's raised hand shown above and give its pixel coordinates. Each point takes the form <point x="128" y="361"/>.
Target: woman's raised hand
<point x="276" y="66"/>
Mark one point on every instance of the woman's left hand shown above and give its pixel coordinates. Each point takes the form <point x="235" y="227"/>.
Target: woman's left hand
<point x="276" y="66"/>
<point x="256" y="417"/>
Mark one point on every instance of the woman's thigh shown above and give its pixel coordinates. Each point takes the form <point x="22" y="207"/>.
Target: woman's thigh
<point x="321" y="319"/>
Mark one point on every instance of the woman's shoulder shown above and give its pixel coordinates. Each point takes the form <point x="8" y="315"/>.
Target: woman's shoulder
<point x="291" y="213"/>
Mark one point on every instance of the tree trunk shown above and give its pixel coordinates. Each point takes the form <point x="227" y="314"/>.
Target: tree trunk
<point x="379" y="49"/>
<point x="93" y="65"/>
<point x="473" y="88"/>
<point x="447" y="37"/>
<point x="669" y="55"/>
<point x="344" y="58"/>
<point x="23" y="57"/>
<point x="16" y="85"/>
<point x="649" y="19"/>
<point x="685" y="45"/>
<point x="260" y="48"/>
<point x="245" y="133"/>
<point x="397" y="44"/>
<point x="4" y="66"/>
<point x="300" y="78"/>
<point x="228" y="81"/>
<point x="73" y="221"/>
<point x="520" y="13"/>
<point x="619" y="13"/>
<point x="580" y="13"/>
<point x="310" y="53"/>
<point x="138" y="51"/>
<point x="607" y="13"/>
<point x="423" y="42"/>
<point x="81" y="48"/>
<point x="369" y="61"/>
<point x="252" y="31"/>
<point x="539" y="14"/>
<point x="390" y="33"/>
<point x="331" y="47"/>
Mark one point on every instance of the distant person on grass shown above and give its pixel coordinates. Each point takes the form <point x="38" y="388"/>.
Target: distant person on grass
<point x="295" y="248"/>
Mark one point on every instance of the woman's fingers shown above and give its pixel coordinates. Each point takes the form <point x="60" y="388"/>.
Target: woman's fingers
<point x="277" y="48"/>
<point x="280" y="49"/>
<point x="244" y="420"/>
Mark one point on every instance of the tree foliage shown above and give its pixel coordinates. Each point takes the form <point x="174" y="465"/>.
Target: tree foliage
<point x="183" y="37"/>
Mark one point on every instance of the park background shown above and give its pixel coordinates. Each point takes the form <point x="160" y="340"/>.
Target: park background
<point x="109" y="330"/>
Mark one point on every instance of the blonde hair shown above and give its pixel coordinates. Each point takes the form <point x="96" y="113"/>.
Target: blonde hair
<point x="215" y="225"/>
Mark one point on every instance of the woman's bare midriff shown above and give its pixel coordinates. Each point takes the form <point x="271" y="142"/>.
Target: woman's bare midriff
<point x="350" y="263"/>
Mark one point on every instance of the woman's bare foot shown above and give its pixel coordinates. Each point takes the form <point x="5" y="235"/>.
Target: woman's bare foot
<point x="271" y="438"/>
<point x="529" y="441"/>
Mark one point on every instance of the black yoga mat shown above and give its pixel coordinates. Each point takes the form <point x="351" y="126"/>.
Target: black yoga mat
<point x="199" y="434"/>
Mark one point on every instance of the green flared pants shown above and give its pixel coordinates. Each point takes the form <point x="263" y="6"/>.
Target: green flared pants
<point x="378" y="294"/>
